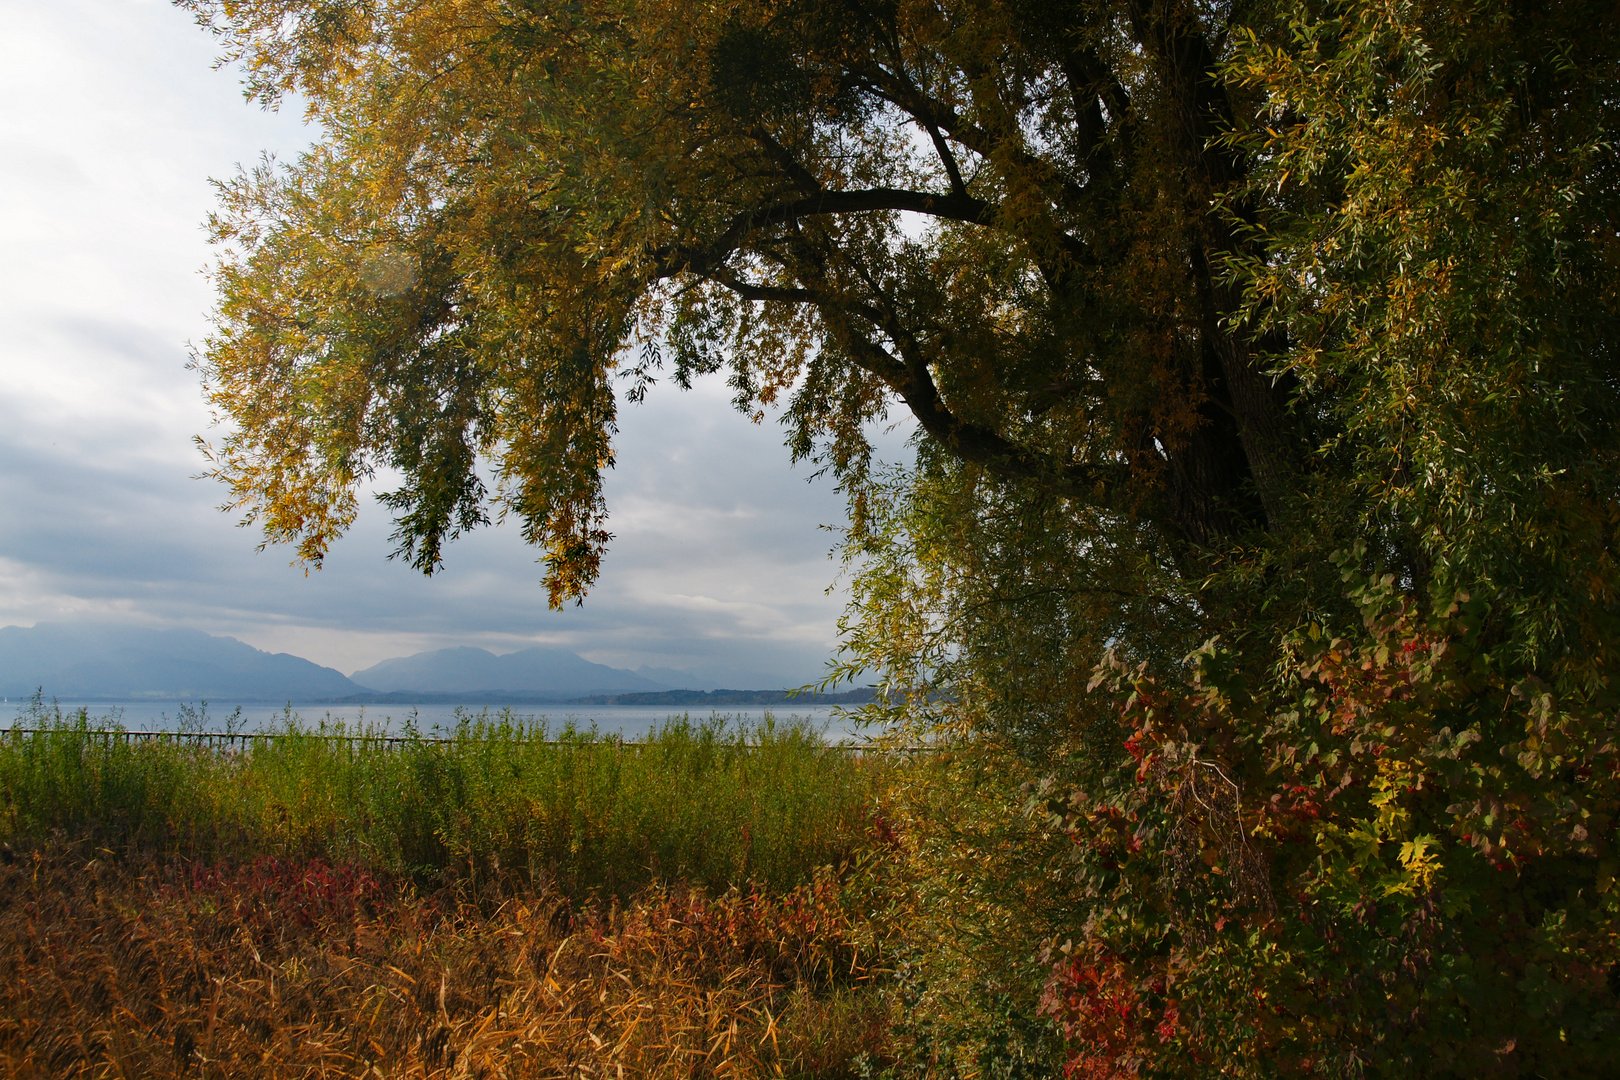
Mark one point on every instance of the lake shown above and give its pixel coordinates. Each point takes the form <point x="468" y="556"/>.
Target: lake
<point x="628" y="721"/>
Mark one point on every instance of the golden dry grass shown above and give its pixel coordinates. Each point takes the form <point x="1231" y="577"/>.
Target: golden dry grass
<point x="275" y="969"/>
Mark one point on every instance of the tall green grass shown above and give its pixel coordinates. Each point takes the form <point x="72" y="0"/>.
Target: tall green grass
<point x="711" y="801"/>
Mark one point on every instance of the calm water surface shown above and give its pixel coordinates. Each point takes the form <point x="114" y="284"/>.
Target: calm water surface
<point x="628" y="721"/>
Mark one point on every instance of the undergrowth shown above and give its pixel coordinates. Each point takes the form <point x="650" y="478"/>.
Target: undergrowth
<point x="274" y="968"/>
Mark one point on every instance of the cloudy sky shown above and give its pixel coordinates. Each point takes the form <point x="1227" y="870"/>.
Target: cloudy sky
<point x="114" y="122"/>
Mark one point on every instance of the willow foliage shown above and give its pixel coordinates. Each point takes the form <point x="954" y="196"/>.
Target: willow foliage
<point x="996" y="216"/>
<point x="1368" y="827"/>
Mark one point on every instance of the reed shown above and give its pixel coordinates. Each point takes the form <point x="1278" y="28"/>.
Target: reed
<point x="712" y="802"/>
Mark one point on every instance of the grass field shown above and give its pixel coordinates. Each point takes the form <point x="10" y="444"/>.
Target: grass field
<point x="697" y="802"/>
<point x="504" y="902"/>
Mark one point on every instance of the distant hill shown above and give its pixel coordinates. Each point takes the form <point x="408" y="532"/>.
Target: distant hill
<point x="535" y="674"/>
<point x="716" y="698"/>
<point x="111" y="662"/>
<point x="716" y="676"/>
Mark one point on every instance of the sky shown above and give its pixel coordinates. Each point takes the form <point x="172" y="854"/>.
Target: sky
<point x="114" y="124"/>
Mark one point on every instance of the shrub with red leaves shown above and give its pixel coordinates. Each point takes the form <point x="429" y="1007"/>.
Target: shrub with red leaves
<point x="1102" y="1014"/>
<point x="270" y="893"/>
<point x="1392" y="852"/>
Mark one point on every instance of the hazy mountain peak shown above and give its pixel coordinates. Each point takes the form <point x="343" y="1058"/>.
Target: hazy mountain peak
<point x="113" y="661"/>
<point x="673" y="678"/>
<point x="109" y="661"/>
<point x="539" y="669"/>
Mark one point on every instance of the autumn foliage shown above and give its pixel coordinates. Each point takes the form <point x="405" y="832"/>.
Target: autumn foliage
<point x="1387" y="840"/>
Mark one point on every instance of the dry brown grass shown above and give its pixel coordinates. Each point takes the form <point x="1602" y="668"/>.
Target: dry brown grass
<point x="140" y="969"/>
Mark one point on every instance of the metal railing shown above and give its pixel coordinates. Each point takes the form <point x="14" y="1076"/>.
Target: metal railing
<point x="230" y="739"/>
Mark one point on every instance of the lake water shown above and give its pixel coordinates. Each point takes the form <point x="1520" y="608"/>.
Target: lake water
<point x="628" y="721"/>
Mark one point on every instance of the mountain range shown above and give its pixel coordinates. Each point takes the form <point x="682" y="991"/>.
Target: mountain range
<point x="112" y="662"/>
<point x="466" y="670"/>
<point x="116" y="662"/>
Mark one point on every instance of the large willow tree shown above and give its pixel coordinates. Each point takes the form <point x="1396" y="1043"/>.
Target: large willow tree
<point x="1283" y="332"/>
<point x="1000" y="218"/>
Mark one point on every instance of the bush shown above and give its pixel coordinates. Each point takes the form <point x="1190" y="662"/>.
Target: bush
<point x="1392" y="852"/>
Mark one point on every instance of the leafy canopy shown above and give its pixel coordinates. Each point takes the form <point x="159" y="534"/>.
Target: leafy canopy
<point x="996" y="216"/>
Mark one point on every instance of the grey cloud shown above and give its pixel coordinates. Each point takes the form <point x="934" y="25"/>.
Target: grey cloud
<point x="26" y="161"/>
<point x="715" y="568"/>
<point x="718" y="565"/>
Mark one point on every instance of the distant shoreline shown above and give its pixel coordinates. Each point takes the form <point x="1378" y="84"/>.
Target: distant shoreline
<point x="650" y="697"/>
<point x="700" y="698"/>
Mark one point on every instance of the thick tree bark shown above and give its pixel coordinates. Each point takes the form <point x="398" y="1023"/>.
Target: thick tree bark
<point x="1203" y="113"/>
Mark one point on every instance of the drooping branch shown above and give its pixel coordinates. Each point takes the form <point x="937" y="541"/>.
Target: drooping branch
<point x="783" y="158"/>
<point x="678" y="259"/>
<point x="1092" y="89"/>
<point x="948" y="160"/>
<point x="1094" y="483"/>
